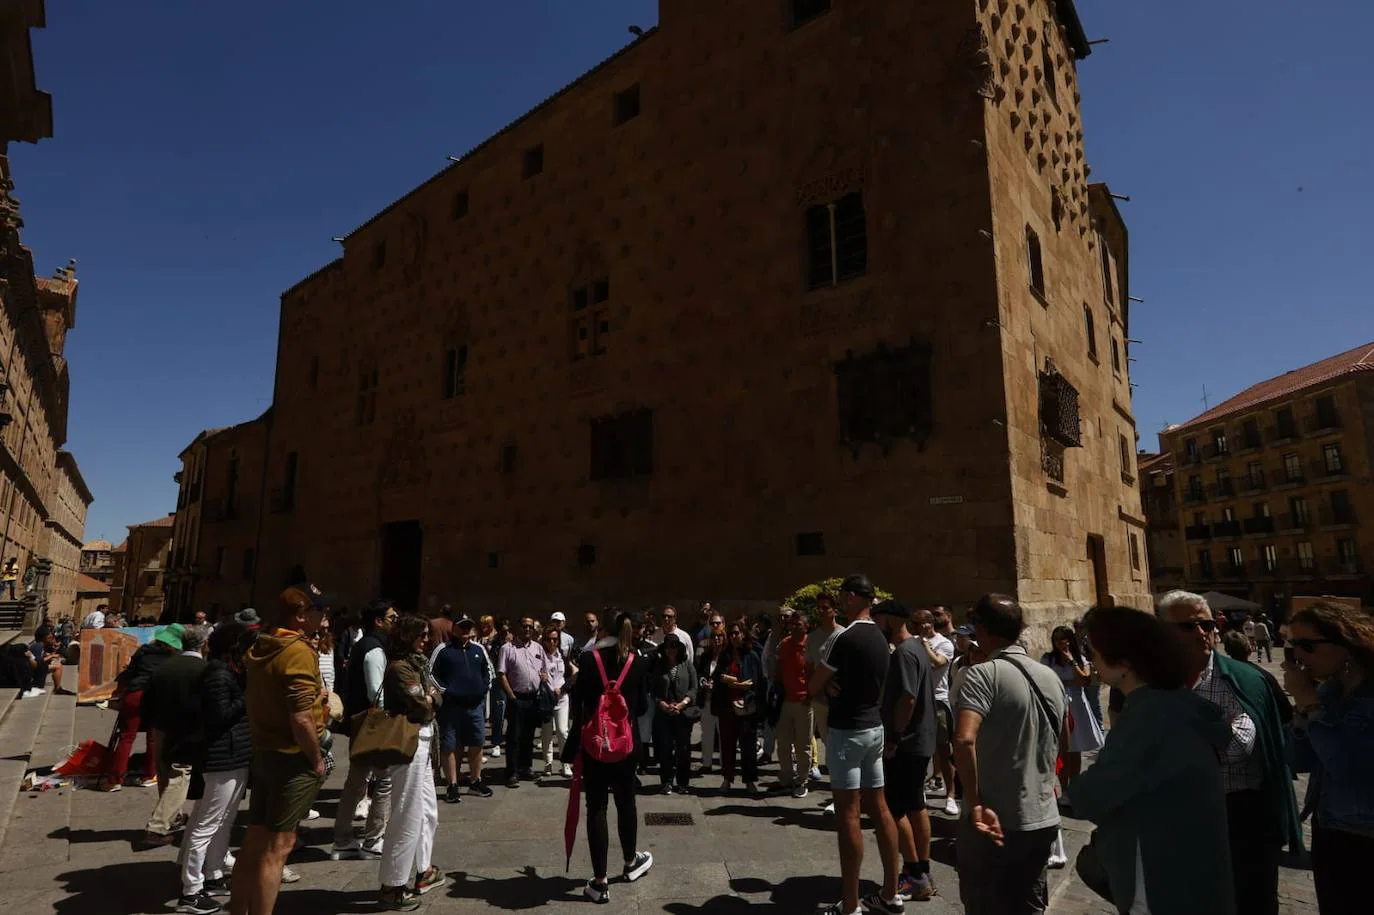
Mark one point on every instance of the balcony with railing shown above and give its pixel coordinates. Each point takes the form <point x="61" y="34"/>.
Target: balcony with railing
<point x="1231" y="571"/>
<point x="1216" y="451"/>
<point x="1186" y="458"/>
<point x="1194" y="494"/>
<point x="1289" y="522"/>
<point x="1253" y="482"/>
<point x="1322" y="421"/>
<point x="193" y="493"/>
<point x="1264" y="568"/>
<point x="1260" y="524"/>
<point x="1288" y="476"/>
<point x="1336" y="517"/>
<point x="1222" y="489"/>
<point x="1342" y="567"/>
<point x="1281" y="432"/>
<point x="1197" y="532"/>
<point x="1298" y="568"/>
<point x="1225" y="529"/>
<point x="1249" y="442"/>
<point x="1204" y="573"/>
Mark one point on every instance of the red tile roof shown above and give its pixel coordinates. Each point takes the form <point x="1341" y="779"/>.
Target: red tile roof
<point x="164" y="521"/>
<point x="85" y="584"/>
<point x="1148" y="462"/>
<point x="1359" y="359"/>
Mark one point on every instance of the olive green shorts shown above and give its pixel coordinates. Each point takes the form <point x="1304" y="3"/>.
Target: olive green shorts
<point x="284" y="786"/>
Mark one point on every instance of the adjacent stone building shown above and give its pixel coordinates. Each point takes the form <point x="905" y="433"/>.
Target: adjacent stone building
<point x="97" y="560"/>
<point x="1275" y="486"/>
<point x="1164" y="545"/>
<point x="43" y="500"/>
<point x="775" y="293"/>
<point x="214" y="545"/>
<point x="138" y="590"/>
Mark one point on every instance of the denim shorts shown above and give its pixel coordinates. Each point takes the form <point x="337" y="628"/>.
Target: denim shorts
<point x="855" y="759"/>
<point x="461" y="725"/>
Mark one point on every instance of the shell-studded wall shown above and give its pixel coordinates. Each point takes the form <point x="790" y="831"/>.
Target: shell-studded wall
<point x="1031" y="80"/>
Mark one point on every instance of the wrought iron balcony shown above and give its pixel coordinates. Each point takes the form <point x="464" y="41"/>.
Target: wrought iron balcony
<point x="1262" y="524"/>
<point x="1322" y="421"/>
<point x="1253" y="482"/>
<point x="1298" y="568"/>
<point x="1246" y="442"/>
<point x="1228" y="570"/>
<point x="1194" y="494"/>
<point x="1198" y="532"/>
<point x="1187" y="458"/>
<point x="1280" y="432"/>
<point x="1287" y="476"/>
<point x="1343" y="566"/>
<point x="1215" y="451"/>
<point x="1291" y="522"/>
<point x="1323" y="470"/>
<point x="1222" y="489"/>
<point x="1222" y="529"/>
<point x="1263" y="568"/>
<point x="1331" y="517"/>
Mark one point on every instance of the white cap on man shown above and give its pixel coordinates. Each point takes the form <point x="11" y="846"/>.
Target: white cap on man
<point x="558" y="615"/>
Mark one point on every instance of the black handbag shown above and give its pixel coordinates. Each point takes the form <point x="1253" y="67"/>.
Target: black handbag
<point x="544" y="703"/>
<point x="1090" y="870"/>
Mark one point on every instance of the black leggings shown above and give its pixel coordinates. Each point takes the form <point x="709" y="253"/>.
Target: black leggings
<point x="1338" y="862"/>
<point x="599" y="781"/>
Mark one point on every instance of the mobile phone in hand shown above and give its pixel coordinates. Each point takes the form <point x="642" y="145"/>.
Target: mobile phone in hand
<point x="1289" y="656"/>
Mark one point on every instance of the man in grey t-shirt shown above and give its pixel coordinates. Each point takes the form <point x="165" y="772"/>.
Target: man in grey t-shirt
<point x="1009" y="731"/>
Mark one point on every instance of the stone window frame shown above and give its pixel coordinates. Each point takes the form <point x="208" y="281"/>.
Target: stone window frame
<point x="1035" y="266"/>
<point x="455" y="367"/>
<point x="1090" y="332"/>
<point x="532" y="161"/>
<point x="885" y="395"/>
<point x="366" y="409"/>
<point x="621" y="446"/>
<point x="836" y="241"/>
<point x="626" y="105"/>
<point x="590" y="322"/>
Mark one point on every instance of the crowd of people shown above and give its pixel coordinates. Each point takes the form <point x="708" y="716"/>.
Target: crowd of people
<point x="902" y="712"/>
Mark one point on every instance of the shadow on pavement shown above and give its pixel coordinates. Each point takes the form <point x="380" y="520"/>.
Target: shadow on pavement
<point x="527" y="890"/>
<point x="317" y="901"/>
<point x="87" y="836"/>
<point x="806" y="818"/>
<point x="137" y="886"/>
<point x="791" y="896"/>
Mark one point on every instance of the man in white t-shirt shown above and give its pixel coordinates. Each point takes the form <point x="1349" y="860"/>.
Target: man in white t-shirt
<point x="941" y="651"/>
<point x="95" y="619"/>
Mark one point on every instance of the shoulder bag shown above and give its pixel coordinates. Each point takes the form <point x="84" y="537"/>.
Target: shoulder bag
<point x="381" y="738"/>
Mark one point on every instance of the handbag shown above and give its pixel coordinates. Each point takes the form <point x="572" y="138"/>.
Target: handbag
<point x="1090" y="870"/>
<point x="382" y="739"/>
<point x="747" y="705"/>
<point x="544" y="703"/>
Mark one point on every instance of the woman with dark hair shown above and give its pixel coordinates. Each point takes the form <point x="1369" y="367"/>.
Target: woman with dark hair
<point x="673" y="689"/>
<point x="735" y="700"/>
<point x="600" y="779"/>
<point x="1155" y="790"/>
<point x="1333" y="738"/>
<point x="408" y="689"/>
<point x="1066" y="659"/>
<point x="495" y="636"/>
<point x="227" y="752"/>
<point x="708" y="661"/>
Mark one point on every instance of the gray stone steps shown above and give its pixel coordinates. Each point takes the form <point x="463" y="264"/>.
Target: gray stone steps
<point x="32" y="834"/>
<point x="19" y="728"/>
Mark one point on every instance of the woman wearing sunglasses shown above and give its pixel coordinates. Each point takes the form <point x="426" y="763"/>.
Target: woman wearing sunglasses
<point x="734" y="697"/>
<point x="1333" y="738"/>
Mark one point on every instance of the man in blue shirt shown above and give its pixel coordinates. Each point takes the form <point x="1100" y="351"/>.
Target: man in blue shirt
<point x="462" y="669"/>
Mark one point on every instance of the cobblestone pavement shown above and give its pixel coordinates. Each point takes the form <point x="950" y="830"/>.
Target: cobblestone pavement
<point x="72" y="853"/>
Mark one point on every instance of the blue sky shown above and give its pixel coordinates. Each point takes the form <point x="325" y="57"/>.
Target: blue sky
<point x="204" y="155"/>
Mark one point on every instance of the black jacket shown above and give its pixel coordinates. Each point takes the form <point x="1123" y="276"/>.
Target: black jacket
<point x="224" y="716"/>
<point x="147" y="659"/>
<point x="355" y="695"/>
<point x="172" y="704"/>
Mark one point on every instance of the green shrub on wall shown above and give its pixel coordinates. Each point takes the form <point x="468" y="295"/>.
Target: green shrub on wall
<point x="803" y="600"/>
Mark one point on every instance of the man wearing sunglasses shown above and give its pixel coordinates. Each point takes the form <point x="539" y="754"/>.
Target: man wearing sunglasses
<point x="1261" y="811"/>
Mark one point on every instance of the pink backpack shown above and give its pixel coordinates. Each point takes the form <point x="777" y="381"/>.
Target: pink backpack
<point x="609" y="736"/>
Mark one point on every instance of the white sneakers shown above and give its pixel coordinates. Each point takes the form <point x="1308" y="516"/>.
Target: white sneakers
<point x="364" y="807"/>
<point x="951" y="807"/>
<point x="33" y="693"/>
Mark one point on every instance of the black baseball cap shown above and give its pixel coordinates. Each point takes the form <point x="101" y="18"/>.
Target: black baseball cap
<point x="859" y="585"/>
<point x="892" y="608"/>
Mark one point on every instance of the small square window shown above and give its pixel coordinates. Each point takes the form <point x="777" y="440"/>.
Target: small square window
<point x="586" y="554"/>
<point x="460" y="204"/>
<point x="379" y="255"/>
<point x="811" y="543"/>
<point x="579" y="298"/>
<point x="493" y="560"/>
<point x="601" y="291"/>
<point x="508" y="455"/>
<point x="532" y="162"/>
<point x="626" y="105"/>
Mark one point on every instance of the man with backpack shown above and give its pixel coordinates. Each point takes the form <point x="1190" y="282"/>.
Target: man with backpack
<point x="605" y="702"/>
<point x="1009" y="730"/>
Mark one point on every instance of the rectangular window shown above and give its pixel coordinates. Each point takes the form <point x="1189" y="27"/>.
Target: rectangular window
<point x="1237" y="558"/>
<point x="622" y="446"/>
<point x="883" y="396"/>
<point x="1292" y="468"/>
<point x="1125" y="446"/>
<point x="811" y="544"/>
<point x="1219" y="441"/>
<point x="803" y="11"/>
<point x="1228" y="514"/>
<point x="1116" y="357"/>
<point x="532" y="162"/>
<point x="625" y="105"/>
<point x="379" y="255"/>
<point x="836" y="241"/>
<point x="1135" y="552"/>
<point x="586" y="554"/>
<point x="1260" y="509"/>
<point x="493" y="560"/>
<point x="1204" y="563"/>
<point x="455" y="371"/>
<point x="1327" y="417"/>
<point x="508" y="455"/>
<point x="1270" y="557"/>
<point x="1345" y="549"/>
<point x="591" y="319"/>
<point x="1285" y="425"/>
<point x="1049" y="74"/>
<point x="1190" y="451"/>
<point x="248" y="563"/>
<point x="1091" y="332"/>
<point x="1331" y="458"/>
<point x="1108" y="287"/>
<point x="219" y="561"/>
<point x="367" y="397"/>
<point x="460" y="204"/>
<point x="1035" y="263"/>
<point x="1254" y="473"/>
<point x="1250" y="433"/>
<point x="1297" y="506"/>
<point x="1306" y="558"/>
<point x="1341" y="512"/>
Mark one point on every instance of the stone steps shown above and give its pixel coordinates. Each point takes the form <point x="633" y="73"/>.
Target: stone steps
<point x="34" y="733"/>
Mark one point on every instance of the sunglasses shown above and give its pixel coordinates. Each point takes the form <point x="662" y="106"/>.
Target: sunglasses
<point x="1208" y="626"/>
<point x="1310" y="645"/>
<point x="737" y="635"/>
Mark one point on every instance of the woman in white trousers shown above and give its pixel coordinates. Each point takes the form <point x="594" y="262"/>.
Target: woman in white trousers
<point x="561" y="673"/>
<point x="228" y="751"/>
<point x="409" y="690"/>
<point x="706" y="675"/>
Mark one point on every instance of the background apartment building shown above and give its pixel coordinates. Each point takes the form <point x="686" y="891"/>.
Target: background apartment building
<point x="1275" y="486"/>
<point x="749" y="304"/>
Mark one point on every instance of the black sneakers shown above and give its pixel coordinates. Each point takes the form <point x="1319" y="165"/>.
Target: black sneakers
<point x="874" y="902"/>
<point x="480" y="789"/>
<point x="639" y="866"/>
<point x="452" y="796"/>
<point x="599" y="893"/>
<point x="199" y="904"/>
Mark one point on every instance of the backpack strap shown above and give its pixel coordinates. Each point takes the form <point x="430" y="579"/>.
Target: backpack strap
<point x="629" y="662"/>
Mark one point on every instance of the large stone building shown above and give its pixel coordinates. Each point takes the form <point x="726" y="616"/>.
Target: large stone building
<point x="1164" y="545"/>
<point x="138" y="592"/>
<point x="97" y="560"/>
<point x="43" y="499"/>
<point x="1275" y="486"/>
<point x="214" y="544"/>
<point x="777" y="292"/>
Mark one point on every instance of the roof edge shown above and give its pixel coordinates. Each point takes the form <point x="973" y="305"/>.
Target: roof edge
<point x="1068" y="15"/>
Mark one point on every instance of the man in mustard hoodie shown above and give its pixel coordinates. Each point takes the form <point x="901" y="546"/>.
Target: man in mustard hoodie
<point x="286" y="721"/>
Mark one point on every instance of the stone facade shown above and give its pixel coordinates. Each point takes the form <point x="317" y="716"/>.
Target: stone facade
<point x="97" y="560"/>
<point x="746" y="306"/>
<point x="214" y="546"/>
<point x="42" y="499"/>
<point x="1275" y="486"/>
<point x="1164" y="538"/>
<point x="137" y="592"/>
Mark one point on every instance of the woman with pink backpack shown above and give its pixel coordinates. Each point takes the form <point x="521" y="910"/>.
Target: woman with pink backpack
<point x="605" y="703"/>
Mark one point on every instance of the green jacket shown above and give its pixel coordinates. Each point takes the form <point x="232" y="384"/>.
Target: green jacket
<point x="1253" y="692"/>
<point x="1156" y="786"/>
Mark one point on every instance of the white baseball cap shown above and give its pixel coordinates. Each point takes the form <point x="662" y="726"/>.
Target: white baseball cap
<point x="558" y="615"/>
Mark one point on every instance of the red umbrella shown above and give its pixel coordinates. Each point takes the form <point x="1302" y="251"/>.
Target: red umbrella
<point x="574" y="811"/>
